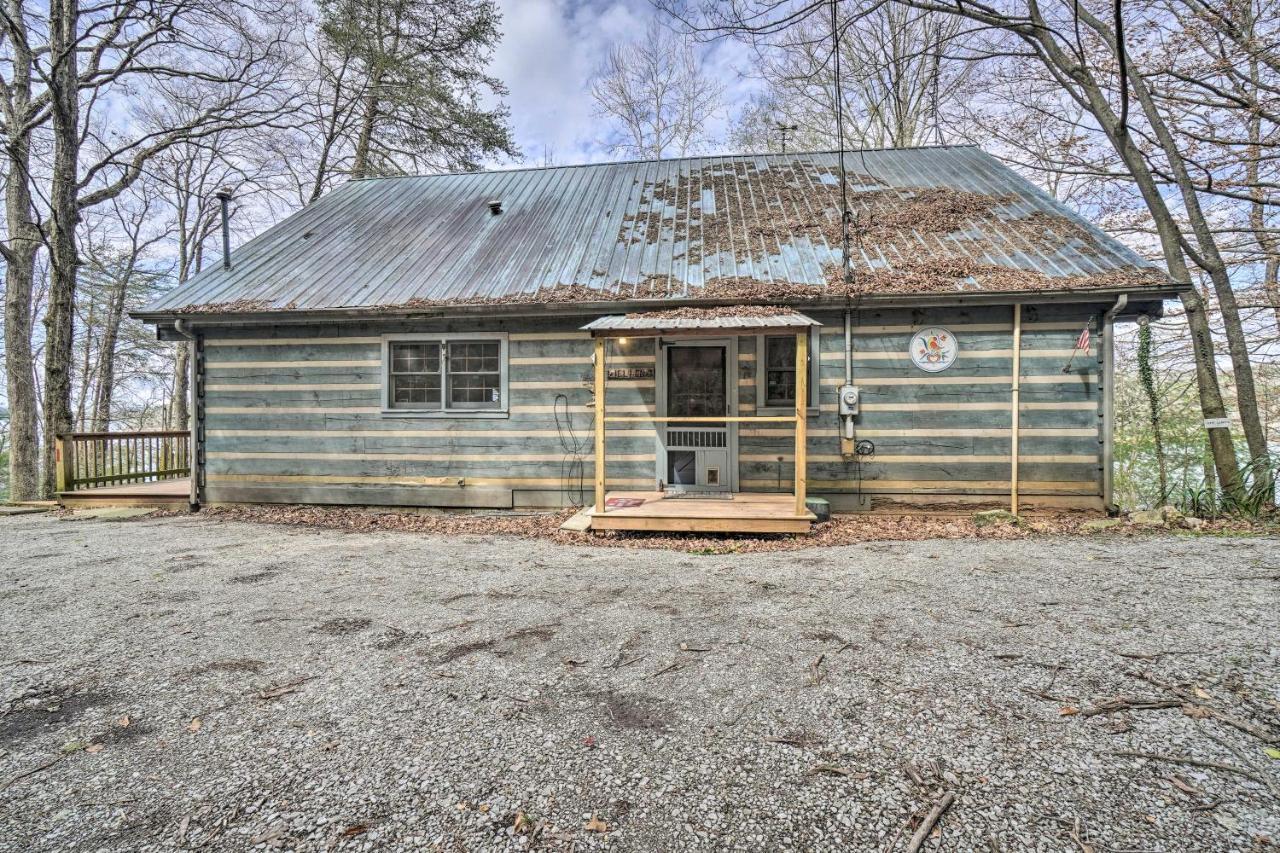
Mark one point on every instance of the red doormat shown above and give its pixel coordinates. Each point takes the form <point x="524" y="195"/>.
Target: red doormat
<point x="622" y="503"/>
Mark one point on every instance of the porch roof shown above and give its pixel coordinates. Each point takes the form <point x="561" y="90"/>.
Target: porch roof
<point x="738" y="319"/>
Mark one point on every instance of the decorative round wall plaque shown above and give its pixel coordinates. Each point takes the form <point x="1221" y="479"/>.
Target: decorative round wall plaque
<point x="934" y="349"/>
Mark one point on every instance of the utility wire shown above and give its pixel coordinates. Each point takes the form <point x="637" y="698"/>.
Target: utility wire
<point x="846" y="216"/>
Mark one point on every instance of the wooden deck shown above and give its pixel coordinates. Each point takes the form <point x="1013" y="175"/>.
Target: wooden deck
<point x="741" y="513"/>
<point x="159" y="493"/>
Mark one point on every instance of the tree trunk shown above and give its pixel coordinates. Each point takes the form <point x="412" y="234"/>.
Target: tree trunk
<point x="64" y="217"/>
<point x="20" y="379"/>
<point x="360" y="167"/>
<point x="107" y="353"/>
<point x="179" y="411"/>
<point x="1210" y="260"/>
<point x="88" y="391"/>
<point x="1211" y="405"/>
<point x="1147" y="376"/>
<point x="21" y="248"/>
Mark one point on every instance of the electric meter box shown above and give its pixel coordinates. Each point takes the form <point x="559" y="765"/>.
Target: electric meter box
<point x="848" y="400"/>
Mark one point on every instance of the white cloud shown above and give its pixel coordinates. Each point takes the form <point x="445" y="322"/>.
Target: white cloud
<point x="549" y="50"/>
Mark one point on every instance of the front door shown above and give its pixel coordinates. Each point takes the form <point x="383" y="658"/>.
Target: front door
<point x="697" y="456"/>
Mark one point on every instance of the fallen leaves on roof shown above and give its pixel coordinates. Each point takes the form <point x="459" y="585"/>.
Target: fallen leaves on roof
<point x="713" y="312"/>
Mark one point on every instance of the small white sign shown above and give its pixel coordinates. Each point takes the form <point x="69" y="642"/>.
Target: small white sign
<point x="934" y="349"/>
<point x="1217" y="423"/>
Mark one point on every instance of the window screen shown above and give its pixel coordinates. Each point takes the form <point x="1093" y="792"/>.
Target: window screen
<point x="475" y="376"/>
<point x="779" y="371"/>
<point x="445" y="375"/>
<point x="415" y="376"/>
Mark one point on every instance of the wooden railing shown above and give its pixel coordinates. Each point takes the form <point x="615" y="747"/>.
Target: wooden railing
<point x="87" y="460"/>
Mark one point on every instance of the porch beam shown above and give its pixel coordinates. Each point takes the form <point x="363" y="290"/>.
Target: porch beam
<point x="745" y="419"/>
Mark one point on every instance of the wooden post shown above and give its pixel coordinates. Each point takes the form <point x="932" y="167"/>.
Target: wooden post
<point x="1016" y="403"/>
<point x="599" y="424"/>
<point x="802" y="410"/>
<point x="64" y="476"/>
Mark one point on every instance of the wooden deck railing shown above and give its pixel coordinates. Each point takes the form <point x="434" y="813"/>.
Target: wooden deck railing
<point x="86" y="460"/>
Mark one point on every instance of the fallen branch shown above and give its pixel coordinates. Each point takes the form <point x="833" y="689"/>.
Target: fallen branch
<point x="930" y="819"/>
<point x="284" y="689"/>
<point x="671" y="667"/>
<point x="1200" y="762"/>
<point x="1262" y="733"/>
<point x="1124" y="703"/>
<point x="34" y="770"/>
<point x="815" y="670"/>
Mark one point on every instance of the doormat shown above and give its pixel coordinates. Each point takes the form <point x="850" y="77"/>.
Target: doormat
<point x="622" y="503"/>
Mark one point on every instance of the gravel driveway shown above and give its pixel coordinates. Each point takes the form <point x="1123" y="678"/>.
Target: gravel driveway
<point x="186" y="683"/>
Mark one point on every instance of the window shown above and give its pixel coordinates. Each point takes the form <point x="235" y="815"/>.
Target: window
<point x="446" y="375"/>
<point x="776" y="363"/>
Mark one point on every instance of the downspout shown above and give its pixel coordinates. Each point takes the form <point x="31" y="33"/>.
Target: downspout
<point x="1016" y="403"/>
<point x="1109" y="401"/>
<point x="194" y="459"/>
<point x="846" y="427"/>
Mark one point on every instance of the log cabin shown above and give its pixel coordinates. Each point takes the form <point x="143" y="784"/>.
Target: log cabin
<point x="699" y="343"/>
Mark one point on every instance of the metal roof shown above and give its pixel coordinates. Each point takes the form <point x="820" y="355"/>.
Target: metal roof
<point x="662" y="229"/>
<point x="618" y="323"/>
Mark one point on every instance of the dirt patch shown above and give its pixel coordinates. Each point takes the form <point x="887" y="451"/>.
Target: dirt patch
<point x="637" y="712"/>
<point x="342" y="626"/>
<point x="462" y="650"/>
<point x="254" y="577"/>
<point x="540" y="633"/>
<point x="47" y="709"/>
<point x="393" y="638"/>
<point x="232" y="665"/>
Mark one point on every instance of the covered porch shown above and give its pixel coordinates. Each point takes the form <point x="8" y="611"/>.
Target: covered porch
<point x="699" y="504"/>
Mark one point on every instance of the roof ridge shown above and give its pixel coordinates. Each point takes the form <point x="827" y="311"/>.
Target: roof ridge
<point x="849" y="152"/>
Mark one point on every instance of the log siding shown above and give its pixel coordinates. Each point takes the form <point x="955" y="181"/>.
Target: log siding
<point x="294" y="414"/>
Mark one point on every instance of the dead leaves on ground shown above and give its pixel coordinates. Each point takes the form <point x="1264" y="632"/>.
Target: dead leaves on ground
<point x="841" y="530"/>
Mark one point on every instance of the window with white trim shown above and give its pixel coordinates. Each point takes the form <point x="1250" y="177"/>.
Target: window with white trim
<point x="776" y="371"/>
<point x="445" y="374"/>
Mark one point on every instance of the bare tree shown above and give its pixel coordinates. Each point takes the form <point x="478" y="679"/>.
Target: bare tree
<point x="1081" y="52"/>
<point x="25" y="107"/>
<point x="113" y="276"/>
<point x="900" y="85"/>
<point x="187" y="178"/>
<point x="658" y="95"/>
<point x="192" y="67"/>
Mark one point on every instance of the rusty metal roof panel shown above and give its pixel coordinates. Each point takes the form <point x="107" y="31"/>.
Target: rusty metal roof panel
<point x="948" y="218"/>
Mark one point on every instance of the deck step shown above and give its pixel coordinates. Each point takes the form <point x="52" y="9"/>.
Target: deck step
<point x="745" y="513"/>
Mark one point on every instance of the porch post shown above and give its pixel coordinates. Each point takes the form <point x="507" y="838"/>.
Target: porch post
<point x="599" y="424"/>
<point x="802" y="410"/>
<point x="1016" y="405"/>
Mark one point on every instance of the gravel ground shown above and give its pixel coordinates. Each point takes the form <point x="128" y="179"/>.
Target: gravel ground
<point x="220" y="685"/>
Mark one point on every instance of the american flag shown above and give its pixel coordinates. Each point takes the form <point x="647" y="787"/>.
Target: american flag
<point x="1082" y="342"/>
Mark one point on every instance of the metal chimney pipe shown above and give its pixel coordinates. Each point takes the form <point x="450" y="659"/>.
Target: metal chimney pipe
<point x="224" y="197"/>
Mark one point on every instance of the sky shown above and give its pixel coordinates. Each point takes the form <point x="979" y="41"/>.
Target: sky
<point x="549" y="52"/>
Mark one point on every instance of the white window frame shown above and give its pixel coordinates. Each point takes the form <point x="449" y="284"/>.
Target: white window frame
<point x="500" y="410"/>
<point x="762" y="374"/>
